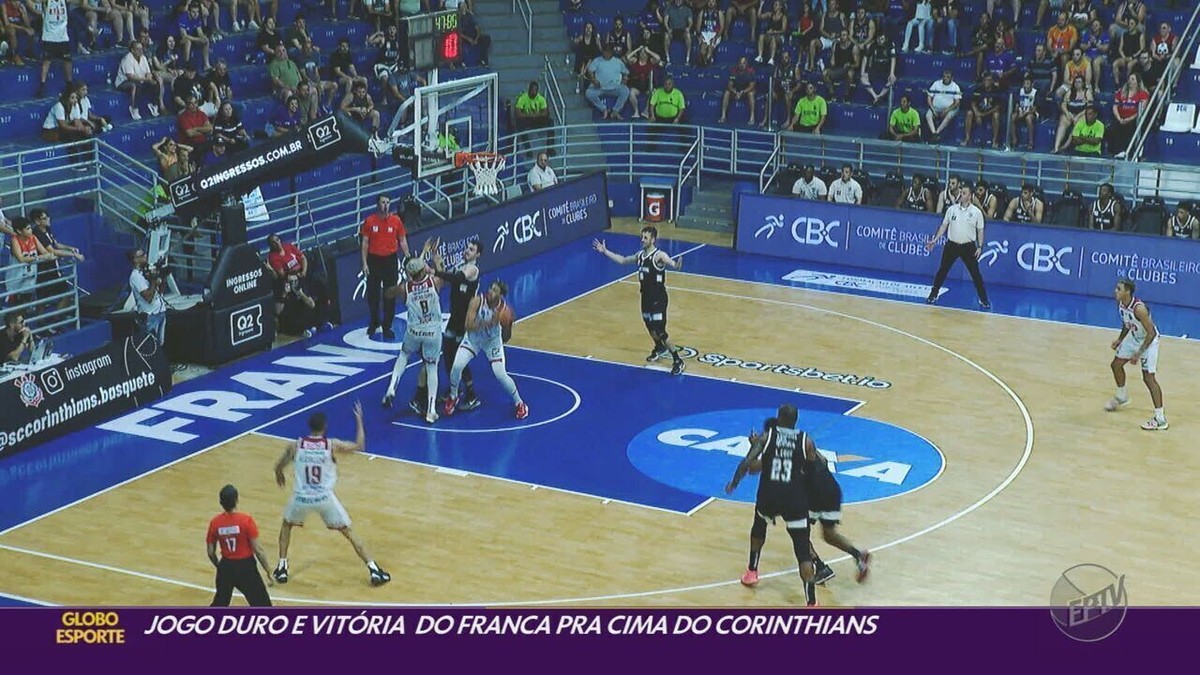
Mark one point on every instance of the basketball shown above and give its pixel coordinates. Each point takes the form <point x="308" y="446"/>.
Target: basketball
<point x="506" y="317"/>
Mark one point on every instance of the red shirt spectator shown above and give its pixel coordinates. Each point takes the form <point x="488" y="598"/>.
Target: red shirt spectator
<point x="191" y="118"/>
<point x="288" y="260"/>
<point x="1163" y="44"/>
<point x="233" y="531"/>
<point x="1126" y="105"/>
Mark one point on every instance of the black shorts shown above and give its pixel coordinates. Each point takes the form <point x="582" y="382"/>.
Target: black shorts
<point x="791" y="508"/>
<point x="654" y="309"/>
<point x="56" y="51"/>
<point x="825" y="502"/>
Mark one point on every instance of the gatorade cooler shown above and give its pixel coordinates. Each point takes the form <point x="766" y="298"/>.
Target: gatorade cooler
<point x="656" y="204"/>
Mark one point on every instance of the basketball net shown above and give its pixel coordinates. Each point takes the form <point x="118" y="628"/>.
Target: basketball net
<point x="487" y="168"/>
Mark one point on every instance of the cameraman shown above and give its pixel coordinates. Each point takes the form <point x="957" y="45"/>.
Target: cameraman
<point x="15" y="338"/>
<point x="299" y="298"/>
<point x="147" y="284"/>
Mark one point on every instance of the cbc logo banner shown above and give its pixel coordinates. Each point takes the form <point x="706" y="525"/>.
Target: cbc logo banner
<point x="805" y="230"/>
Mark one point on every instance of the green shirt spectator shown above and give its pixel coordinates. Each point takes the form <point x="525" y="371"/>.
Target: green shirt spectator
<point x="904" y="124"/>
<point x="811" y="111"/>
<point x="1088" y="134"/>
<point x="285" y="71"/>
<point x="531" y="105"/>
<point x="666" y="103"/>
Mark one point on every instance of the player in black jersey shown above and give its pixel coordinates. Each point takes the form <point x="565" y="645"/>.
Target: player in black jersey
<point x="1105" y="213"/>
<point x="780" y="454"/>
<point x="1025" y="208"/>
<point x="825" y="506"/>
<point x="917" y="197"/>
<point x="652" y="265"/>
<point x="464" y="285"/>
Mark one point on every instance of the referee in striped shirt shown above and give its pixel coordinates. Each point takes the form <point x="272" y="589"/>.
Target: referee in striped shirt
<point x="963" y="227"/>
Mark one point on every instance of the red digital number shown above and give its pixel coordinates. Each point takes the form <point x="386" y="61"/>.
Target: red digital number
<point x="451" y="50"/>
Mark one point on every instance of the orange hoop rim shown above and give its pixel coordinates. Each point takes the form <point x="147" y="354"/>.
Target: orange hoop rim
<point x="461" y="159"/>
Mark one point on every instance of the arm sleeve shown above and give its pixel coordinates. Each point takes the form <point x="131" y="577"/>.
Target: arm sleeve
<point x="456" y="276"/>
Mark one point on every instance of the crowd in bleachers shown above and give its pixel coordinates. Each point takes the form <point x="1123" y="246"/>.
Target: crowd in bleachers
<point x="831" y="66"/>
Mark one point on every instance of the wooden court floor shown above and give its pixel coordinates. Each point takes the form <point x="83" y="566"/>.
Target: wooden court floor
<point x="1038" y="478"/>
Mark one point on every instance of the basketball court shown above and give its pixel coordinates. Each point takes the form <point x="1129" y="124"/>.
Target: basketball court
<point x="973" y="448"/>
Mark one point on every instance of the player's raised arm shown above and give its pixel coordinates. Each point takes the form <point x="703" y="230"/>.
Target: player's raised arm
<point x="663" y="258"/>
<point x="472" y="322"/>
<point x="360" y="440"/>
<point x="598" y="245"/>
<point x="758" y="443"/>
<point x="288" y="456"/>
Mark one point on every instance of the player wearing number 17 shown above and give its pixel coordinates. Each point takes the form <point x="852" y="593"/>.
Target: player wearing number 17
<point x="315" y="459"/>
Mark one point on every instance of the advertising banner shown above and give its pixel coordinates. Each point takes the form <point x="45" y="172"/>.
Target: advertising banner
<point x="510" y="232"/>
<point x="1069" y="260"/>
<point x="79" y="392"/>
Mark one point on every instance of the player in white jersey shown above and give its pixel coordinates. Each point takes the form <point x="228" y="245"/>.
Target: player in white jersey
<point x="489" y="326"/>
<point x="424" y="332"/>
<point x="1138" y="342"/>
<point x="315" y="459"/>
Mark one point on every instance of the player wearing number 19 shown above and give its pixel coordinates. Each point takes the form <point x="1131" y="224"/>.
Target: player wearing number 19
<point x="782" y="492"/>
<point x="315" y="461"/>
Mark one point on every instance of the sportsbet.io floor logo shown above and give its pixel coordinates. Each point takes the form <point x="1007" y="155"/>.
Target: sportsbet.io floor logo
<point x="698" y="453"/>
<point x="1088" y="602"/>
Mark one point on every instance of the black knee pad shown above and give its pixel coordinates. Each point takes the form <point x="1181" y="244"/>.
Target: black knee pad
<point x="759" y="529"/>
<point x="801" y="543"/>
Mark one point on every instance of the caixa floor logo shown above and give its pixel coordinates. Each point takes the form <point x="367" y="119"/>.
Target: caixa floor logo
<point x="698" y="453"/>
<point x="805" y="230"/>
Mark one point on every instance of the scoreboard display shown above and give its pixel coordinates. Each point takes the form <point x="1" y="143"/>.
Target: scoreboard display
<point x="433" y="39"/>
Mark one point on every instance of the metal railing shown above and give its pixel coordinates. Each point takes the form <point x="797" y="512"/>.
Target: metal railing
<point x="526" y="11"/>
<point x="41" y="176"/>
<point x="49" y="304"/>
<point x="1161" y="97"/>
<point x="126" y="187"/>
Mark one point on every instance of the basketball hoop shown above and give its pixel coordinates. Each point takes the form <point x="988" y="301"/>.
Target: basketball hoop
<point x="486" y="166"/>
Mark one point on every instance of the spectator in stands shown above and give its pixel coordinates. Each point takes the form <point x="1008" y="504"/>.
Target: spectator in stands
<point x="809" y="186"/>
<point x="1044" y="71"/>
<point x="1016" y="8"/>
<point x="831" y="26"/>
<point x="587" y="47"/>
<point x="468" y="29"/>
<point x="16" y="338"/>
<point x="917" y="197"/>
<point x="170" y="154"/>
<point x="922" y="21"/>
<point x="20" y="276"/>
<point x="133" y="9"/>
<point x="1076" y="66"/>
<point x="1128" y="9"/>
<point x="136" y="77"/>
<point x="741" y="85"/>
<point x="985" y="108"/>
<point x="983" y="38"/>
<point x="1025" y="208"/>
<point x="48" y="272"/>
<point x="86" y="113"/>
<point x="146" y="286"/>
<point x="341" y="67"/>
<point x="360" y="108"/>
<point x="1129" y="104"/>
<point x="775" y="33"/>
<point x="608" y="74"/>
<point x="227" y="126"/>
<point x="532" y="112"/>
<point x="379" y="12"/>
<point x="60" y="127"/>
<point x="879" y="69"/>
<point x="810" y="112"/>
<point x="1061" y="38"/>
<point x="651" y="24"/>
<point x="863" y="29"/>
<point x="1043" y="5"/>
<point x="666" y="103"/>
<point x="748" y="10"/>
<point x="619" y="38"/>
<point x="388" y="61"/>
<point x="285" y="74"/>
<point x="93" y="11"/>
<point x="1088" y="134"/>
<point x="943" y="100"/>
<point x="987" y="202"/>
<point x="1129" y="46"/>
<point x="187" y="84"/>
<point x="843" y="65"/>
<point x="194" y="126"/>
<point x="287" y="118"/>
<point x="310" y="109"/>
<point x="679" y="28"/>
<point x="167" y="62"/>
<point x="1182" y="224"/>
<point x="806" y="33"/>
<point x="709" y="28"/>
<point x="1095" y="43"/>
<point x="1162" y="45"/>
<point x="56" y="43"/>
<point x="191" y="34"/>
<point x="299" y="299"/>
<point x="1082" y="13"/>
<point x="15" y="22"/>
<point x="218" y="85"/>
<point x="266" y="42"/>
<point x="1149" y="70"/>
<point x="1071" y="110"/>
<point x="947" y="12"/>
<point x="541" y="176"/>
<point x="216" y="151"/>
<point x="788" y="86"/>
<point x="642" y="62"/>
<point x="253" y="15"/>
<point x="904" y="124"/>
<point x="1001" y="64"/>
<point x="210" y="18"/>
<point x="1026" y="111"/>
<point x="1106" y="212"/>
<point x="1005" y="32"/>
<point x="846" y="190"/>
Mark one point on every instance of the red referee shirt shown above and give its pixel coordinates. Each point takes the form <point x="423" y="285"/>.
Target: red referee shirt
<point x="233" y="531"/>
<point x="383" y="234"/>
